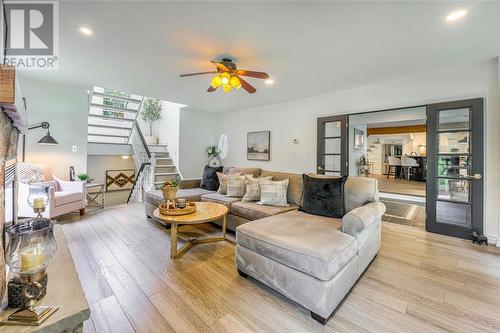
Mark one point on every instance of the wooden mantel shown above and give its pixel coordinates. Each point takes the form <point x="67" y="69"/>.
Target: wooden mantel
<point x="64" y="290"/>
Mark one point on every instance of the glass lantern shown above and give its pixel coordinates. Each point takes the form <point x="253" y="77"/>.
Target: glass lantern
<point x="31" y="247"/>
<point x="39" y="198"/>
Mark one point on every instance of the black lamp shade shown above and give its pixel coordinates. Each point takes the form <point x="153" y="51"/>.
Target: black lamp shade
<point x="48" y="140"/>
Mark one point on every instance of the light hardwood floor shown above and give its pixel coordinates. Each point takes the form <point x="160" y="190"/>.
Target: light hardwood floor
<point x="400" y="186"/>
<point x="419" y="282"/>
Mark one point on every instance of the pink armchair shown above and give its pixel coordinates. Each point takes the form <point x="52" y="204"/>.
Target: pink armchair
<point x="65" y="196"/>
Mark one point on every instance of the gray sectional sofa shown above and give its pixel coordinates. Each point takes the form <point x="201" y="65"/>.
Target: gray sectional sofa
<point x="312" y="260"/>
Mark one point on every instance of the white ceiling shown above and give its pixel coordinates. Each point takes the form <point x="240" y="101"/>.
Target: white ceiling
<point x="308" y="47"/>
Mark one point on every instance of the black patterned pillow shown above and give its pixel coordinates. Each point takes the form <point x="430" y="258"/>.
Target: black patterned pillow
<point x="323" y="196"/>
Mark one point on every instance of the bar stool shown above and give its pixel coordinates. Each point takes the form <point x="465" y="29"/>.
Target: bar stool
<point x="407" y="164"/>
<point x="394" y="162"/>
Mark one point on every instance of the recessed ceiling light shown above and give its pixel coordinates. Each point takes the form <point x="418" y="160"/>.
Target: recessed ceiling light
<point x="456" y="15"/>
<point x="269" y="82"/>
<point x="84" y="30"/>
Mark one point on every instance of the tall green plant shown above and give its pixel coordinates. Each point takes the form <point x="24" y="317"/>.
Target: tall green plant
<point x="151" y="112"/>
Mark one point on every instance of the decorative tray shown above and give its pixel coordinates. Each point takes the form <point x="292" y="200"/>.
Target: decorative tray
<point x="190" y="208"/>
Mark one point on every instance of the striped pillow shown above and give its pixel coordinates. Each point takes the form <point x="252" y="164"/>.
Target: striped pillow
<point x="235" y="186"/>
<point x="273" y="193"/>
<point x="253" y="188"/>
<point x="29" y="173"/>
<point x="223" y="182"/>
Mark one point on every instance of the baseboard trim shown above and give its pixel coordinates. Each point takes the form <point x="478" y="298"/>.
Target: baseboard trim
<point x="492" y="240"/>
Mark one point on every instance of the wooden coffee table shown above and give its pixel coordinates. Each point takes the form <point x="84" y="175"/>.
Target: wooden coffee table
<point x="205" y="212"/>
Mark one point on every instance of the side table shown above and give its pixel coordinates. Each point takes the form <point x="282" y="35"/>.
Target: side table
<point x="95" y="195"/>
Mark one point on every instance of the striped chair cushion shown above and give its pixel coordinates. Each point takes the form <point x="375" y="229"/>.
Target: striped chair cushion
<point x="273" y="193"/>
<point x="29" y="173"/>
<point x="235" y="186"/>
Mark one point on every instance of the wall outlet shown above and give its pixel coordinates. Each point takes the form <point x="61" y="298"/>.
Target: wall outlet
<point x="74" y="149"/>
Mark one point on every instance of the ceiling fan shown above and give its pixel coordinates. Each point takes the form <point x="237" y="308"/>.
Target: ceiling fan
<point x="228" y="76"/>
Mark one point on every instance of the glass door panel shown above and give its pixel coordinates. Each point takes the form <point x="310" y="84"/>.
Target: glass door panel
<point x="453" y="165"/>
<point x="454" y="142"/>
<point x="454" y="185"/>
<point x="332" y="146"/>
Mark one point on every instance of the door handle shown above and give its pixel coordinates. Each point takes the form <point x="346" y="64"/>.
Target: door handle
<point x="476" y="176"/>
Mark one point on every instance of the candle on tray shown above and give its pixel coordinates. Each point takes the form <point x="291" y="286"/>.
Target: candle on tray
<point x="181" y="203"/>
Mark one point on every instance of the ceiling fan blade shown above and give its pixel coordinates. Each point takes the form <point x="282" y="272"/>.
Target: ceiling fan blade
<point x="199" y="73"/>
<point x="211" y="89"/>
<point x="220" y="66"/>
<point x="258" y="75"/>
<point x="247" y="86"/>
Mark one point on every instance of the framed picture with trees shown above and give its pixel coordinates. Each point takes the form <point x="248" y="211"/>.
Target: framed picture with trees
<point x="259" y="146"/>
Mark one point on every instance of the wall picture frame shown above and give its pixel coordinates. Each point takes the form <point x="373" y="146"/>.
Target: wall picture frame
<point x="259" y="146"/>
<point x="120" y="180"/>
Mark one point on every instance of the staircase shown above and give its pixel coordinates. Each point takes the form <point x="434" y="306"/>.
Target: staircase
<point x="112" y="115"/>
<point x="112" y="121"/>
<point x="163" y="166"/>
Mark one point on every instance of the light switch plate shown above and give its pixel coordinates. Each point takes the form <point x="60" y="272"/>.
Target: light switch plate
<point x="74" y="149"/>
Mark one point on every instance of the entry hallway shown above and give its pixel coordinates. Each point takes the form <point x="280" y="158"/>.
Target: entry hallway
<point x="419" y="282"/>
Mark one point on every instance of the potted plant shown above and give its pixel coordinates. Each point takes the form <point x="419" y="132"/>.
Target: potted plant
<point x="84" y="177"/>
<point x="169" y="191"/>
<point x="151" y="112"/>
<point x="213" y="153"/>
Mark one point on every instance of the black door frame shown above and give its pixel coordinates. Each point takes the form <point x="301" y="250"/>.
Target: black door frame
<point x="476" y="122"/>
<point x="319" y="161"/>
<point x="344" y="144"/>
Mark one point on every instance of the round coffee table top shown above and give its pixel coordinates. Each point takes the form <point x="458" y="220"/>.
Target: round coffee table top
<point x="205" y="212"/>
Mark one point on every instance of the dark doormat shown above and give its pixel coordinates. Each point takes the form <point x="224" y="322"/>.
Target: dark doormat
<point x="406" y="213"/>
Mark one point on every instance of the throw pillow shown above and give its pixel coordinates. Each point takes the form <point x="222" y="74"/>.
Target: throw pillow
<point x="29" y="173"/>
<point x="323" y="196"/>
<point x="235" y="186"/>
<point x="252" y="187"/>
<point x="273" y="193"/>
<point x="209" y="180"/>
<point x="223" y="182"/>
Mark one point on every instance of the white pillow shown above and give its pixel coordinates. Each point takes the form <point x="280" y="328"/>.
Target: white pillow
<point x="235" y="186"/>
<point x="253" y="188"/>
<point x="273" y="193"/>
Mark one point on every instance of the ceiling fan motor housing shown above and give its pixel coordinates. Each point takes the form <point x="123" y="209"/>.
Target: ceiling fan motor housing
<point x="228" y="63"/>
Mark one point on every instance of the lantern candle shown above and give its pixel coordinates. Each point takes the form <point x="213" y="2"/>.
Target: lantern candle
<point x="38" y="203"/>
<point x="31" y="259"/>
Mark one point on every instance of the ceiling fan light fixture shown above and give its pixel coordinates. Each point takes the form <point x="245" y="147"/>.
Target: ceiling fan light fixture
<point x="216" y="81"/>
<point x="235" y="82"/>
<point x="225" y="77"/>
<point x="226" y="87"/>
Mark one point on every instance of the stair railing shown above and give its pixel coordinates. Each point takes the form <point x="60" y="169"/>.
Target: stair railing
<point x="144" y="180"/>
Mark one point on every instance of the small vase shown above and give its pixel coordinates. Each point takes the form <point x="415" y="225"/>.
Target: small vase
<point x="214" y="162"/>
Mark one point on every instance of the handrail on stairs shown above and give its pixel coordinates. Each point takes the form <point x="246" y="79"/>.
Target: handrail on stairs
<point x="144" y="146"/>
<point x="143" y="162"/>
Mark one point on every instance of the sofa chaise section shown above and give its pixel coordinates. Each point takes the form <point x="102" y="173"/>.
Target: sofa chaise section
<point x="314" y="260"/>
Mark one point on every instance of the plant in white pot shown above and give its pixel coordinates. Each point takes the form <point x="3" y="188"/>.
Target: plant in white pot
<point x="151" y="112"/>
<point x="213" y="156"/>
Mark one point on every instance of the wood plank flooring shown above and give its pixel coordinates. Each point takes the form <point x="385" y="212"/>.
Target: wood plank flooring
<point x="400" y="186"/>
<point x="419" y="282"/>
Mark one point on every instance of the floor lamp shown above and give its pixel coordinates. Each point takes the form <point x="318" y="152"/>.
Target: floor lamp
<point x="46" y="140"/>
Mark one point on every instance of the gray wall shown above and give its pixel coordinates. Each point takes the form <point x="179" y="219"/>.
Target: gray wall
<point x="197" y="132"/>
<point x="97" y="166"/>
<point x="65" y="107"/>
